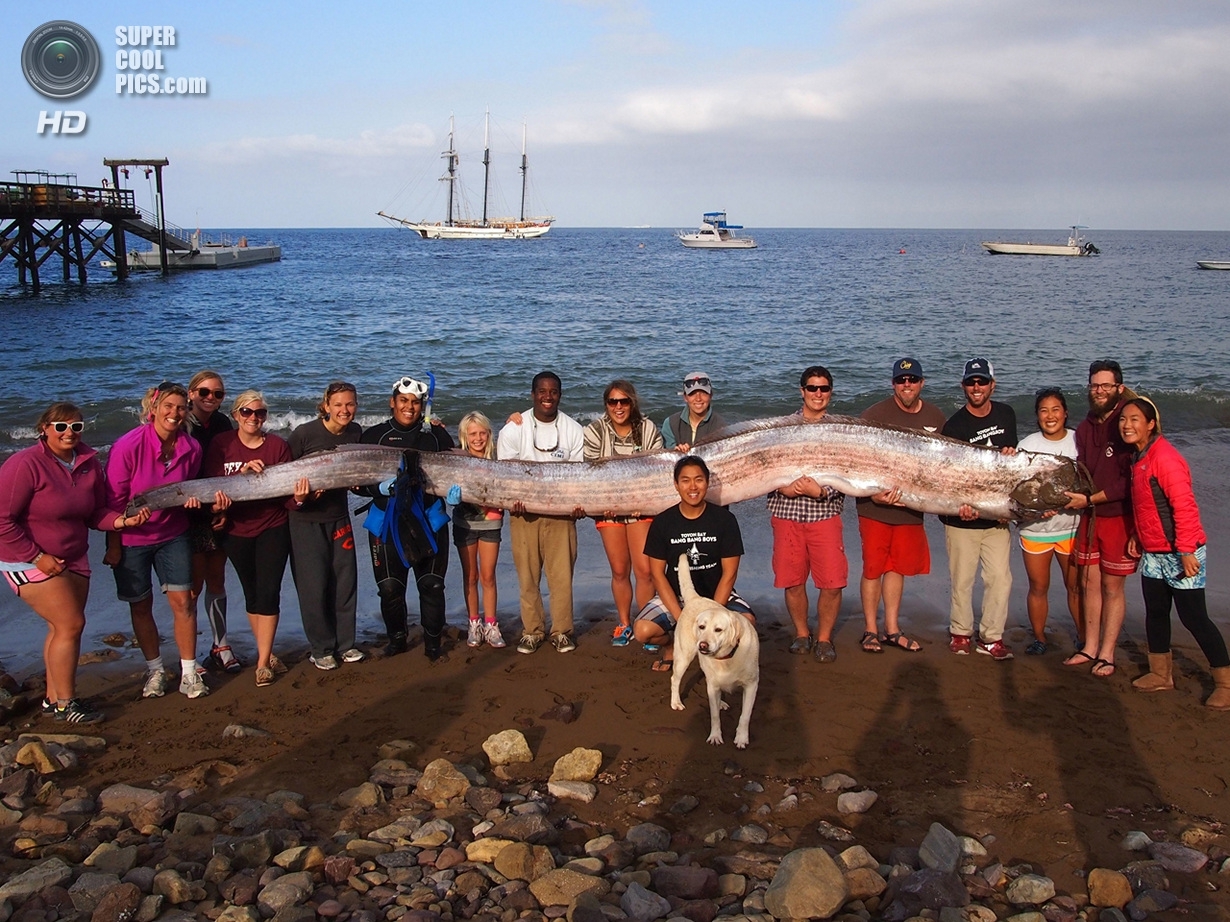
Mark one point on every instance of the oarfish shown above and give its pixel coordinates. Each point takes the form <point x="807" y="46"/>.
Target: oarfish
<point x="934" y="473"/>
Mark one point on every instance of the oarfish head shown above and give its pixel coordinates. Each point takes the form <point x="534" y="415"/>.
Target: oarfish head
<point x="1048" y="490"/>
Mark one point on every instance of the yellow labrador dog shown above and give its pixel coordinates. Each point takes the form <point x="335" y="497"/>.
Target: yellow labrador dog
<point x="729" y="652"/>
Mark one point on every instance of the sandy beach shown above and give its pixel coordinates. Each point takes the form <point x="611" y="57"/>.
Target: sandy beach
<point x="1054" y="763"/>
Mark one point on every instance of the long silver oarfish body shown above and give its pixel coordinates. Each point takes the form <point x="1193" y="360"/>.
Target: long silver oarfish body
<point x="934" y="473"/>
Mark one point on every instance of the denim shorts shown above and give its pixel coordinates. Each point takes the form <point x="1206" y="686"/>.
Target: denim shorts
<point x="171" y="560"/>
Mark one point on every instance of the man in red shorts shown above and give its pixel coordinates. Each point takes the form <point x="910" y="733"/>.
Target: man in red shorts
<point x="1102" y="540"/>
<point x="894" y="543"/>
<point x="806" y="520"/>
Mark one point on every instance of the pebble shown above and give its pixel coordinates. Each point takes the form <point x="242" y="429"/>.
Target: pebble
<point x="1135" y="841"/>
<point x="856" y="801"/>
<point x="831" y="784"/>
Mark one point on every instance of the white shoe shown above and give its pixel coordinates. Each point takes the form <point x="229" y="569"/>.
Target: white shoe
<point x="354" y="655"/>
<point x="193" y="685"/>
<point x="475" y="636"/>
<point x="155" y="684"/>
<point x="324" y="663"/>
<point x="491" y="634"/>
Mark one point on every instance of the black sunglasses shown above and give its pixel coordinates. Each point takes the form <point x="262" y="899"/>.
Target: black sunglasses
<point x="906" y="379"/>
<point x="262" y="413"/>
<point x="205" y="393"/>
<point x="813" y="388"/>
<point x="976" y="382"/>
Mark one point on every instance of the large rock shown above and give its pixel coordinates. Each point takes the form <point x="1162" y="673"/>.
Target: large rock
<point x="648" y="837"/>
<point x="525" y="827"/>
<point x="363" y="795"/>
<point x="578" y="765"/>
<point x="686" y="883"/>
<point x="857" y="857"/>
<point x="1175" y="857"/>
<point x="864" y="883"/>
<point x="123" y="798"/>
<point x="51" y="873"/>
<point x="110" y="858"/>
<point x="1108" y="888"/>
<point x="118" y="904"/>
<point x="643" y="905"/>
<point x="288" y="890"/>
<point x="856" y="801"/>
<point x="300" y="858"/>
<point x="486" y="849"/>
<point x="522" y="861"/>
<point x="441" y="782"/>
<point x="173" y="885"/>
<point x="808" y="885"/>
<point x="560" y="887"/>
<point x="932" y="888"/>
<point x="507" y="748"/>
<point x="573" y="790"/>
<point x="1030" y="890"/>
<point x="940" y="849"/>
<point x="89" y="889"/>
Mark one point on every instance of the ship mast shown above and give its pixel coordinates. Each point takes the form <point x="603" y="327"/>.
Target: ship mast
<point x="524" y="168"/>
<point x="486" y="162"/>
<point x="451" y="178"/>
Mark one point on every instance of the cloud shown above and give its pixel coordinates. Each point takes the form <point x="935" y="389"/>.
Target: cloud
<point x="370" y="149"/>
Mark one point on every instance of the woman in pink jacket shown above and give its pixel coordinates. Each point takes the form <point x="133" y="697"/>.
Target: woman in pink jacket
<point x="51" y="494"/>
<point x="1170" y="540"/>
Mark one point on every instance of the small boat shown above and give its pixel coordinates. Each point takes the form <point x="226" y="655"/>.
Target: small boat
<point x="1212" y="264"/>
<point x="715" y="234"/>
<point x="1076" y="246"/>
<point x="203" y="255"/>
<point x="455" y="227"/>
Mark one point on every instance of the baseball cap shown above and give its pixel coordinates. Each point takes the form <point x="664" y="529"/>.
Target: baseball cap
<point x="907" y="366"/>
<point x="978" y="368"/>
<point x="697" y="381"/>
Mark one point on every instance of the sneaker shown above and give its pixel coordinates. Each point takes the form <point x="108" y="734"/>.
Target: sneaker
<point x="996" y="650"/>
<point x="49" y="708"/>
<point x="264" y="676"/>
<point x="622" y="635"/>
<point x="323" y="663"/>
<point x="397" y="644"/>
<point x="563" y="642"/>
<point x="474" y="638"/>
<point x="354" y="655"/>
<point x="960" y="644"/>
<point x="193" y="685"/>
<point x="1037" y="648"/>
<point x="155" y="684"/>
<point x="278" y="667"/>
<point x="529" y="643"/>
<point x="223" y="659"/>
<point x="78" y="712"/>
<point x="492" y="635"/>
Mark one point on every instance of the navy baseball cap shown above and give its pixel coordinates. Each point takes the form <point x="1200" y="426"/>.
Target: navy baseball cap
<point x="907" y="366"/>
<point x="978" y="368"/>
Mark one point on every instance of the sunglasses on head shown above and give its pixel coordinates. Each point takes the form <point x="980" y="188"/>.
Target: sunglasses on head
<point x="261" y="413"/>
<point x="619" y="401"/>
<point x="75" y="426"/>
<point x="205" y="393"/>
<point x="693" y="382"/>
<point x="907" y="379"/>
<point x="814" y="388"/>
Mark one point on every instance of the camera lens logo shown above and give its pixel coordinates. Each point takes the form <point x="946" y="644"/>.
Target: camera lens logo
<point x="60" y="59"/>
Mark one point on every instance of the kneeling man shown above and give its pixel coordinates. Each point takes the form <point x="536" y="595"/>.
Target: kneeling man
<point x="710" y="536"/>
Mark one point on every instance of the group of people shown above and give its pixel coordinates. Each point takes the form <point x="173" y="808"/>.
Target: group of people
<point x="54" y="491"/>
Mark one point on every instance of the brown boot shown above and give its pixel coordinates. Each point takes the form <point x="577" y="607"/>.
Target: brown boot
<point x="1160" y="676"/>
<point x="1220" y="699"/>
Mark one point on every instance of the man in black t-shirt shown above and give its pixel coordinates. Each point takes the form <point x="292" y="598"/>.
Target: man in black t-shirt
<point x="971" y="540"/>
<point x="710" y="536"/>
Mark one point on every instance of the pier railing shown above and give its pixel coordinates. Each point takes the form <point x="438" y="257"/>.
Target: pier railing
<point x="52" y="201"/>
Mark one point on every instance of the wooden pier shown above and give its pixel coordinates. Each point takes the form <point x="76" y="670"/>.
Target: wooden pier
<point x="48" y="215"/>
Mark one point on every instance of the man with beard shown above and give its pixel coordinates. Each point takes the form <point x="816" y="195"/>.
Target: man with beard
<point x="1102" y="539"/>
<point x="894" y="543"/>
<point x="971" y="540"/>
<point x="806" y="522"/>
<point x="405" y="429"/>
<point x="544" y="542"/>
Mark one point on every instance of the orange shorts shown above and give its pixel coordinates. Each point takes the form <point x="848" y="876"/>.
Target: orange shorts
<point x="899" y="549"/>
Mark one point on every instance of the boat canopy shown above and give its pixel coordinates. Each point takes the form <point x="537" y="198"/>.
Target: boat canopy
<point x="718" y="219"/>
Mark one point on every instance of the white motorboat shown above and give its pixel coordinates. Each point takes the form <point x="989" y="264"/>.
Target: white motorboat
<point x="1212" y="264"/>
<point x="715" y="234"/>
<point x="1076" y="246"/>
<point x="454" y="227"/>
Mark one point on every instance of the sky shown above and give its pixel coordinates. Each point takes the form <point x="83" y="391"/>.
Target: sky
<point x="885" y="113"/>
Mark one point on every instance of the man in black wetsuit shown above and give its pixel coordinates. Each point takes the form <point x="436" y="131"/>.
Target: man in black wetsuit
<point x="406" y="428"/>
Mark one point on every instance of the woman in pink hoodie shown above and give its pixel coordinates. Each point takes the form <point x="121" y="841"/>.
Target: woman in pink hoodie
<point x="51" y="494"/>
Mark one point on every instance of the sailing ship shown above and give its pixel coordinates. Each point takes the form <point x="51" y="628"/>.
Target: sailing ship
<point x="455" y="227"/>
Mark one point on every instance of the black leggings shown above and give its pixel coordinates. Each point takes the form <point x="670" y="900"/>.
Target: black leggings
<point x="1190" y="605"/>
<point x="260" y="563"/>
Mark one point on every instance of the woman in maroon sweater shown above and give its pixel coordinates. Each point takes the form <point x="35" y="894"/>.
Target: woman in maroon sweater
<point x="1170" y="540"/>
<point x="51" y="494"/>
<point x="257" y="533"/>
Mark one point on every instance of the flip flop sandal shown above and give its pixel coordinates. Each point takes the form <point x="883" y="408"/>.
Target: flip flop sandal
<point x="663" y="665"/>
<point x="1072" y="661"/>
<point x="870" y="643"/>
<point x="901" y="642"/>
<point x="1100" y="664"/>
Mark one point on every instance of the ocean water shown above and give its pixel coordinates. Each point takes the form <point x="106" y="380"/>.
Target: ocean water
<point x="596" y="304"/>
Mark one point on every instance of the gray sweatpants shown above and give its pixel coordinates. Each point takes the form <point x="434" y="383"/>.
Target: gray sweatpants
<point x="322" y="561"/>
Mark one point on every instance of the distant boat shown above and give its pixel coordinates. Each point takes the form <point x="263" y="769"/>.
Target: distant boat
<point x="715" y="234"/>
<point x="1076" y="246"/>
<point x="1212" y="264"/>
<point x="454" y="227"/>
<point x="203" y="255"/>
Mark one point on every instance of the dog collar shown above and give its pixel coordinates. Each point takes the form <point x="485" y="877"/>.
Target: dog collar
<point x="733" y="651"/>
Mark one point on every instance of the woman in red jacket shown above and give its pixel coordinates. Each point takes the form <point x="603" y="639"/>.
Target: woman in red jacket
<point x="1170" y="540"/>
